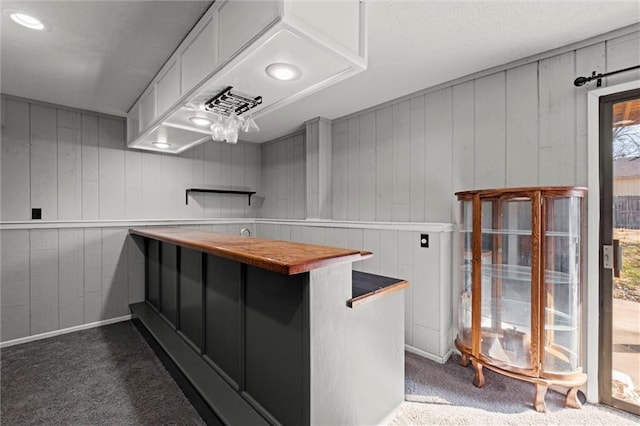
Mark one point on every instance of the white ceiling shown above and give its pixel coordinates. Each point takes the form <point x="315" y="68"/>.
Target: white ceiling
<point x="100" y="55"/>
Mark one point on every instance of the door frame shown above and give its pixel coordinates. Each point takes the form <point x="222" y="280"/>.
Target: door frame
<point x="592" y="341"/>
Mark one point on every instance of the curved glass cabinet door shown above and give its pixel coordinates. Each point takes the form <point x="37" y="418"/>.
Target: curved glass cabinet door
<point x="506" y="281"/>
<point x="466" y="244"/>
<point x="562" y="258"/>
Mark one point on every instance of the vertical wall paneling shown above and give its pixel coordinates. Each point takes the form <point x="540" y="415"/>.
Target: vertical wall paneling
<point x="384" y="165"/>
<point x="340" y="169"/>
<point x="439" y="156"/>
<point x="557" y="120"/>
<point x="225" y="178"/>
<point x="313" y="168"/>
<point x="44" y="167"/>
<point x="112" y="169"/>
<point x="367" y="166"/>
<point x="354" y="241"/>
<point x="71" y="277"/>
<point x="69" y="165"/>
<point x="401" y="157"/>
<point x="133" y="184"/>
<point x="151" y="186"/>
<point x="299" y="166"/>
<point x="288" y="199"/>
<point x="588" y="59"/>
<point x="15" y="291"/>
<point x="185" y="169"/>
<point x="92" y="274"/>
<point x="388" y="253"/>
<point x="44" y="280"/>
<point x="196" y="203"/>
<point x="623" y="52"/>
<point x="371" y="242"/>
<point x="212" y="173"/>
<point x="353" y="168"/>
<point x="463" y="137"/>
<point x="115" y="291"/>
<point x="490" y="131"/>
<point x="238" y="204"/>
<point x="522" y="126"/>
<point x="426" y="295"/>
<point x="405" y="271"/>
<point x="15" y="161"/>
<point x="171" y="196"/>
<point x="417" y="160"/>
<point x="252" y="176"/>
<point x="90" y="167"/>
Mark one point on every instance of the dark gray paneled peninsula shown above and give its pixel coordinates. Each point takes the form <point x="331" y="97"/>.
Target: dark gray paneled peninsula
<point x="272" y="332"/>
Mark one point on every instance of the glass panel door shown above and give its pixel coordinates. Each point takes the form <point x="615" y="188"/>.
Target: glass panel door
<point x="506" y="281"/>
<point x="562" y="283"/>
<point x="620" y="226"/>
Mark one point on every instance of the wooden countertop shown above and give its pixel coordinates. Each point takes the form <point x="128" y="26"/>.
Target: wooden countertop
<point x="284" y="257"/>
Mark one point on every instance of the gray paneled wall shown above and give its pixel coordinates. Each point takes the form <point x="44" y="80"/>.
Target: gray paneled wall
<point x="522" y="126"/>
<point x="58" y="278"/>
<point x="76" y="166"/>
<point x="283" y="177"/>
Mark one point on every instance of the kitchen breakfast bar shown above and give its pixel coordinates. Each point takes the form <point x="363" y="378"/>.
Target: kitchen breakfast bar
<point x="260" y="331"/>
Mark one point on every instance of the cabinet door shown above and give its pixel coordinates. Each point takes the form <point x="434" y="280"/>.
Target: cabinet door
<point x="133" y="122"/>
<point x="168" y="87"/>
<point x="148" y="108"/>
<point x="200" y="57"/>
<point x="561" y="316"/>
<point x="508" y="274"/>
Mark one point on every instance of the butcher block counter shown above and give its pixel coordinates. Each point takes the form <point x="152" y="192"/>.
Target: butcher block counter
<point x="278" y="256"/>
<point x="259" y="331"/>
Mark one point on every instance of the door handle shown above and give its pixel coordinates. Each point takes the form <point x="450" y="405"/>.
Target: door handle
<point x="617" y="258"/>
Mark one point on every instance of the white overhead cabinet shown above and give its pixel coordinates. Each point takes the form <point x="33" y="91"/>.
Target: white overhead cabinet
<point x="232" y="45"/>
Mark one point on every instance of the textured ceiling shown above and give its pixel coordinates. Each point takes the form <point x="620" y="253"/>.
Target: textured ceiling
<point x="100" y="55"/>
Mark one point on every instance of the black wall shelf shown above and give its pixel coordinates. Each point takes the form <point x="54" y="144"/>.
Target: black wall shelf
<point x="217" y="191"/>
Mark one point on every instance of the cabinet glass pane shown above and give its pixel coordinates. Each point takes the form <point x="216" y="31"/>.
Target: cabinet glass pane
<point x="466" y="244"/>
<point x="506" y="281"/>
<point x="562" y="274"/>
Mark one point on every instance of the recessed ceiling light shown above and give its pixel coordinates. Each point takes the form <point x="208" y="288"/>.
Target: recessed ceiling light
<point x="200" y="121"/>
<point x="25" y="19"/>
<point x="161" y="144"/>
<point x="282" y="71"/>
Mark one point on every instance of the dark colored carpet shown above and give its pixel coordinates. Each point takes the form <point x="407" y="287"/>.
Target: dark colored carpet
<point x="106" y="375"/>
<point x="110" y="376"/>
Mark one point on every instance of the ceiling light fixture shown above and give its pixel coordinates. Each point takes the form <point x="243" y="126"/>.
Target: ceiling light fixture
<point x="200" y="121"/>
<point x="26" y="20"/>
<point x="162" y="145"/>
<point x="282" y="71"/>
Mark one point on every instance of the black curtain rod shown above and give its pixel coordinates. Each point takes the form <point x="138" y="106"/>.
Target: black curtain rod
<point x="581" y="81"/>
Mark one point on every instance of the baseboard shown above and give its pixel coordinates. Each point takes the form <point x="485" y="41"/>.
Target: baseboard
<point x="63" y="331"/>
<point x="427" y="355"/>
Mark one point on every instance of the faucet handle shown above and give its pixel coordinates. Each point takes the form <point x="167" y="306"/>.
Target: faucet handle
<point x="245" y="229"/>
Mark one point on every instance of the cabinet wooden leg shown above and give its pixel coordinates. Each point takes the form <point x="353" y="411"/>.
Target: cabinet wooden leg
<point x="538" y="400"/>
<point x="478" y="378"/>
<point x="572" y="398"/>
<point x="464" y="360"/>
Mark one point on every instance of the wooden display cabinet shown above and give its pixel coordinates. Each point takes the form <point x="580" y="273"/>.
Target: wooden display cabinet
<point x="521" y="272"/>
